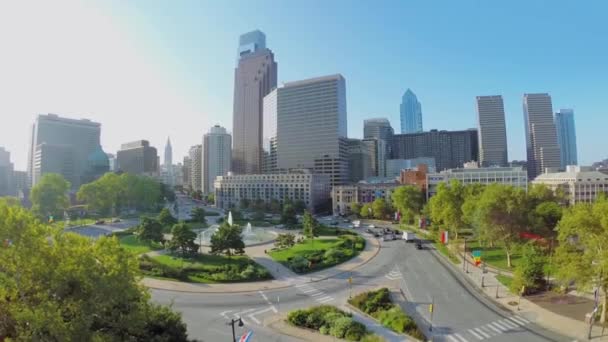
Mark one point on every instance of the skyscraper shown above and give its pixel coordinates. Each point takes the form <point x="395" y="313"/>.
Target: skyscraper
<point x="492" y="131"/>
<point x="311" y="126"/>
<point x="7" y="184"/>
<point x="196" y="167"/>
<point x="380" y="129"/>
<point x="138" y="158"/>
<point x="541" y="137"/>
<point x="411" y="113"/>
<point x="168" y="153"/>
<point x="254" y="77"/>
<point x="566" y="137"/>
<point x="217" y="155"/>
<point x="61" y="145"/>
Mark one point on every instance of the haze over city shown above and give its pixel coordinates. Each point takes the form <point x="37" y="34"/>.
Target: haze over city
<point x="167" y="69"/>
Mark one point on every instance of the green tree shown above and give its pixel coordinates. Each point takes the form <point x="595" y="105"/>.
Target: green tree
<point x="167" y="192"/>
<point x="211" y="198"/>
<point x="50" y="195"/>
<point x="228" y="240"/>
<point x="244" y="203"/>
<point x="581" y="253"/>
<point x="275" y="206"/>
<point x="366" y="211"/>
<point x="447" y="204"/>
<point x="198" y="215"/>
<point x="355" y="208"/>
<point x="380" y="208"/>
<point x="299" y="206"/>
<point x="310" y="226"/>
<point x="166" y="219"/>
<point x="288" y="217"/>
<point x="150" y="229"/>
<point x="183" y="239"/>
<point x="258" y="215"/>
<point x="529" y="273"/>
<point x="285" y="240"/>
<point x="408" y="199"/>
<point x="91" y="288"/>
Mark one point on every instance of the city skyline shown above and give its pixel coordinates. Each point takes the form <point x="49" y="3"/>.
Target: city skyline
<point x="180" y="81"/>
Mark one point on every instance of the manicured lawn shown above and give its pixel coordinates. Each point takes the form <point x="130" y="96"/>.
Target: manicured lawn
<point x="204" y="268"/>
<point x="131" y="243"/>
<point x="505" y="280"/>
<point x="494" y="256"/>
<point x="443" y="249"/>
<point x="303" y="248"/>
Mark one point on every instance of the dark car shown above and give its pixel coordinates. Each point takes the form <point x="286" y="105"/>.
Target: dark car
<point x="418" y="244"/>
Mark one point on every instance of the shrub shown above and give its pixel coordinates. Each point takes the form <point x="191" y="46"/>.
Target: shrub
<point x="529" y="272"/>
<point x="249" y="272"/>
<point x="340" y="327"/>
<point x="298" y="263"/>
<point x="324" y="330"/>
<point x="331" y="317"/>
<point x="373" y="338"/>
<point x="355" y="331"/>
<point x="333" y="256"/>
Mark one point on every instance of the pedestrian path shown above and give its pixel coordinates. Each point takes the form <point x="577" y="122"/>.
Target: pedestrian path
<point x="489" y="330"/>
<point x="317" y="295"/>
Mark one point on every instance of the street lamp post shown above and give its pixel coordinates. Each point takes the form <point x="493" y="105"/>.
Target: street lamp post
<point x="232" y="321"/>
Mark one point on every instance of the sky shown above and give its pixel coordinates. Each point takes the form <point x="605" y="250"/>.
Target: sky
<point x="150" y="69"/>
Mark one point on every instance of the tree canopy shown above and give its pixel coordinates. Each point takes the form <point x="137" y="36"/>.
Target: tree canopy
<point x="198" y="215"/>
<point x="50" y="195"/>
<point x="183" y="239"/>
<point x="380" y="208"/>
<point x="408" y="199"/>
<point x="227" y="240"/>
<point x="150" y="229"/>
<point x="309" y="226"/>
<point x="166" y="219"/>
<point x="288" y="216"/>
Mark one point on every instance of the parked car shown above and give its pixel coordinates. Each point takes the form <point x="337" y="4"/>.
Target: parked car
<point x="116" y="220"/>
<point x="418" y="244"/>
<point x="334" y="223"/>
<point x="409" y="236"/>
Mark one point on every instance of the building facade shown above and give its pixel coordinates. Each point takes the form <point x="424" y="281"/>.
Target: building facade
<point x="450" y="149"/>
<point x="410" y="113"/>
<point x="566" y="137"/>
<point x="378" y="128"/>
<point x="579" y="184"/>
<point x="416" y="176"/>
<point x="7" y="183"/>
<point x="296" y="185"/>
<point x="541" y="137"/>
<point x="343" y="196"/>
<point x="138" y="158"/>
<point x="515" y="176"/>
<point x="196" y="167"/>
<point x="254" y="77"/>
<point x="63" y="146"/>
<point x="186" y="169"/>
<point x="311" y="126"/>
<point x="217" y="156"/>
<point x="492" y="131"/>
<point x="361" y="159"/>
<point x="395" y="166"/>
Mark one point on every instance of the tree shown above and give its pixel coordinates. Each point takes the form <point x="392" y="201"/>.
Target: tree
<point x="380" y="208"/>
<point x="288" y="217"/>
<point x="446" y="206"/>
<point x="355" y="208"/>
<point x="211" y="198"/>
<point x="49" y="196"/>
<point x="285" y="240"/>
<point x="529" y="273"/>
<point x="91" y="288"/>
<point x="150" y="229"/>
<point x="198" y="215"/>
<point x="258" y="215"/>
<point x="166" y="219"/>
<point x="581" y="253"/>
<point x="183" y="239"/>
<point x="502" y="211"/>
<point x="309" y="226"/>
<point x="167" y="192"/>
<point x="244" y="203"/>
<point x="408" y="200"/>
<point x="275" y="206"/>
<point x="102" y="195"/>
<point x="366" y="210"/>
<point x="227" y="240"/>
<point x="299" y="206"/>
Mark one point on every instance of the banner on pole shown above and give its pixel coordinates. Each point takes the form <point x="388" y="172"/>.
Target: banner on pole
<point x="476" y="257"/>
<point x="444" y="237"/>
<point x="246" y="337"/>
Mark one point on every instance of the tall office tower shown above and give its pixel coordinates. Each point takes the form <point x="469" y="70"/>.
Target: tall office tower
<point x="186" y="169"/>
<point x="451" y="149"/>
<point x="254" y="77"/>
<point x="269" y="132"/>
<point x="492" y="131"/>
<point x="196" y="167"/>
<point x="566" y="137"/>
<point x="112" y="162"/>
<point x="380" y="129"/>
<point x="541" y="136"/>
<point x="311" y="126"/>
<point x="411" y="113"/>
<point x="168" y="153"/>
<point x="217" y="155"/>
<point x="7" y="184"/>
<point x="21" y="183"/>
<point x="138" y="158"/>
<point x="361" y="159"/>
<point x="61" y="145"/>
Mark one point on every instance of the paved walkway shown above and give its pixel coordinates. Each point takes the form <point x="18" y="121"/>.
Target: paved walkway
<point x="283" y="277"/>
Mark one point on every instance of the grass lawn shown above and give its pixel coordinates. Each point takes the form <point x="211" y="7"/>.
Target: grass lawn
<point x="505" y="280"/>
<point x="443" y="249"/>
<point x="494" y="256"/>
<point x="204" y="268"/>
<point x="131" y="243"/>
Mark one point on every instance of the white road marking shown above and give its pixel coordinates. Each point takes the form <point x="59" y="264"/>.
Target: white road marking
<point x="516" y="321"/>
<point x="462" y="339"/>
<point x="327" y="299"/>
<point x="452" y="338"/>
<point x="301" y="285"/>
<point x="492" y="327"/>
<point x="509" y="324"/>
<point x="320" y="293"/>
<point x="472" y="332"/>
<point x="500" y="326"/>
<point x="523" y="320"/>
<point x="254" y="319"/>
<point x="223" y="314"/>
<point x="483" y="333"/>
<point x="308" y="291"/>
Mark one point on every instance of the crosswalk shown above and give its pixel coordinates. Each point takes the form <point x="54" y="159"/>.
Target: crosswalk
<point x="489" y="330"/>
<point x="318" y="295"/>
<point x="394" y="274"/>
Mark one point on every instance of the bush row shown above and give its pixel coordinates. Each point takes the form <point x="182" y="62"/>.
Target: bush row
<point x="348" y="247"/>
<point x="329" y="320"/>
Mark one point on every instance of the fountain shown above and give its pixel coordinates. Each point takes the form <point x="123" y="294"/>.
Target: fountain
<point x="250" y="235"/>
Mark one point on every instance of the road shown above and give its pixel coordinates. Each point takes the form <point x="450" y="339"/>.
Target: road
<point x="459" y="314"/>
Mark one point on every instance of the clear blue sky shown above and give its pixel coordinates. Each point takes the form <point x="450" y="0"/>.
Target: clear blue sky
<point x="447" y="52"/>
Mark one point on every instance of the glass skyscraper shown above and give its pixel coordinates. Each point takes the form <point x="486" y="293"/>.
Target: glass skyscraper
<point x="411" y="113"/>
<point x="566" y="137"/>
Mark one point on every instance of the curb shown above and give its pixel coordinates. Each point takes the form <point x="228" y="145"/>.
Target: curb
<point x="353" y="308"/>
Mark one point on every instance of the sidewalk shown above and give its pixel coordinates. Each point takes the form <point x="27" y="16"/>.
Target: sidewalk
<point x="488" y="285"/>
<point x="283" y="276"/>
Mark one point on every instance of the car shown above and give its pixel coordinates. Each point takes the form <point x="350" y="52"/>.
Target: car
<point x="100" y="222"/>
<point x="418" y="245"/>
<point x="346" y="220"/>
<point x="116" y="220"/>
<point x="371" y="226"/>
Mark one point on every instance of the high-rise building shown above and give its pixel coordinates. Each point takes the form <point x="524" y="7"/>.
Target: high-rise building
<point x="492" y="131"/>
<point x="217" y="155"/>
<point x="254" y="77"/>
<point x="138" y="158"/>
<point x="361" y="159"/>
<point x="451" y="149"/>
<point x="21" y="183"/>
<point x="566" y="137"/>
<point x="186" y="170"/>
<point x="196" y="167"/>
<point x="541" y="136"/>
<point x="311" y="126"/>
<point x="112" y="161"/>
<point x="7" y="184"/>
<point x="380" y="129"/>
<point x="168" y="153"/>
<point x="270" y="132"/>
<point x="61" y="145"/>
<point x="411" y="113"/>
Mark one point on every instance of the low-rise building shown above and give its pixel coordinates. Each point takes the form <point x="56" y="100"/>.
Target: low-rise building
<point x="395" y="166"/>
<point x="363" y="192"/>
<point x="579" y="184"/>
<point x="296" y="185"/>
<point x="138" y="158"/>
<point x="415" y="176"/>
<point x="470" y="174"/>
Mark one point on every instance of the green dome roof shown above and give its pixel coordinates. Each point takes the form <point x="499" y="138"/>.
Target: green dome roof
<point x="98" y="158"/>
